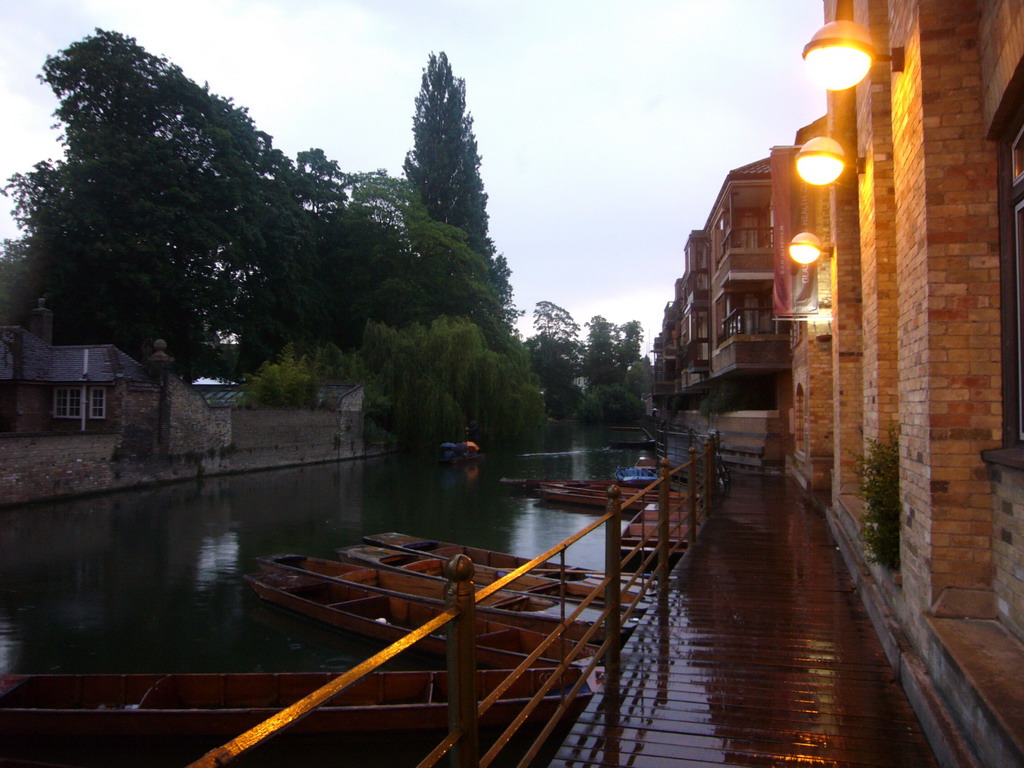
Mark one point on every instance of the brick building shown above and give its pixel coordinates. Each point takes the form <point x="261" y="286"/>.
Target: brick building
<point x="88" y="418"/>
<point x="925" y="249"/>
<point x="919" y="326"/>
<point x="719" y="339"/>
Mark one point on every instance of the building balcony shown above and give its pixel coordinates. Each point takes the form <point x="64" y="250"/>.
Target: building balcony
<point x="751" y="341"/>
<point x="747" y="255"/>
<point x="664" y="388"/>
<point x="695" y="355"/>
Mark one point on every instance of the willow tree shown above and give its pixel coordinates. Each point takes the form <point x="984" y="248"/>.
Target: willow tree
<point x="438" y="378"/>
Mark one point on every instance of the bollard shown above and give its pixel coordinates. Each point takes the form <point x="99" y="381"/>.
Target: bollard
<point x="691" y="482"/>
<point x="663" y="515"/>
<point x="613" y="570"/>
<point x="462" y="694"/>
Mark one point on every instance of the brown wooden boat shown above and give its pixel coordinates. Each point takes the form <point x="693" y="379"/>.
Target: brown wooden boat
<point x="226" y="705"/>
<point x="641" y="530"/>
<point x="573" y="494"/>
<point x="479" y="555"/>
<point x="428" y="565"/>
<point x="390" y="618"/>
<point x="521" y="609"/>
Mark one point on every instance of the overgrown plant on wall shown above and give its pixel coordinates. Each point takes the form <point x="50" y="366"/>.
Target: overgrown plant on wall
<point x="879" y="471"/>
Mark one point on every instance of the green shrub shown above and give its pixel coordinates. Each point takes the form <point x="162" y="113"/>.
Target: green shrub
<point x="879" y="470"/>
<point x="288" y="383"/>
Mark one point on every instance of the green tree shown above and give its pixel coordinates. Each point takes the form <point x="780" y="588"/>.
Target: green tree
<point x="601" y="360"/>
<point x="402" y="267"/>
<point x="555" y="353"/>
<point x="436" y="379"/>
<point x="444" y="167"/>
<point x="168" y="205"/>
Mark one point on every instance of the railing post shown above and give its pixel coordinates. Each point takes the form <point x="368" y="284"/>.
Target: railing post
<point x="613" y="570"/>
<point x="663" y="516"/>
<point x="709" y="475"/>
<point x="462" y="694"/>
<point x="691" y="484"/>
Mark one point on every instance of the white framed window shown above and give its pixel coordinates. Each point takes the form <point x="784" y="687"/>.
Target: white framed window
<point x="97" y="403"/>
<point x="67" y="403"/>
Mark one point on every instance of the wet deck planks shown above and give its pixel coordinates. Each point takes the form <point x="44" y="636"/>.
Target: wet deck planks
<point x="760" y="655"/>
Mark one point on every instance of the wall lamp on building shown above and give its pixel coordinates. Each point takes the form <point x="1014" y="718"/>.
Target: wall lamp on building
<point x="805" y="248"/>
<point x="820" y="161"/>
<point x="840" y="54"/>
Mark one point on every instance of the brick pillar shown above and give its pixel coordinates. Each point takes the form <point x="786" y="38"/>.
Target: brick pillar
<point x="878" y="232"/>
<point x="948" y="284"/>
<point x="848" y="383"/>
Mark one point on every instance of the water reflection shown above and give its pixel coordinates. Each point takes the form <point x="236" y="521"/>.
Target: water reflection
<point x="151" y="581"/>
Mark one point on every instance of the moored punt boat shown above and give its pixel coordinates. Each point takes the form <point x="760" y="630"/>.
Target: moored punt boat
<point x="521" y="609"/>
<point x="641" y="529"/>
<point x="575" y="495"/>
<point x="431" y="566"/>
<point x="479" y="555"/>
<point x="388" y="619"/>
<point x="178" y="705"/>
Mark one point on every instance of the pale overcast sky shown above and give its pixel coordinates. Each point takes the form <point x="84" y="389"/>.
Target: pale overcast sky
<point x="606" y="128"/>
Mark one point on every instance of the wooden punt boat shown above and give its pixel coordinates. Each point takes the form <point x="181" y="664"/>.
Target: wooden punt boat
<point x="479" y="555"/>
<point x="387" y="618"/>
<point x="521" y="609"/>
<point x="430" y="566"/>
<point x="643" y="528"/>
<point x="583" y="496"/>
<point x="225" y="705"/>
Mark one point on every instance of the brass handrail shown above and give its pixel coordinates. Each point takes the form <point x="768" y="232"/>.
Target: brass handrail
<point x="610" y="586"/>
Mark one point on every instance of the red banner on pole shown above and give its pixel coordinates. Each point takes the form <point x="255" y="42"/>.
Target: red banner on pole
<point x="796" y="285"/>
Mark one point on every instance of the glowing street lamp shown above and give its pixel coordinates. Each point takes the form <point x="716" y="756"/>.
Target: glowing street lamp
<point x="839" y="55"/>
<point x="820" y="161"/>
<point x="805" y="248"/>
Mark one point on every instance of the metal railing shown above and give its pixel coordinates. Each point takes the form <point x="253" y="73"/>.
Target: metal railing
<point x="749" y="321"/>
<point x="650" y="555"/>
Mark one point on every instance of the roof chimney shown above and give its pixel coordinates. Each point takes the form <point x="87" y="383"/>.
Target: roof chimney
<point x="40" y="322"/>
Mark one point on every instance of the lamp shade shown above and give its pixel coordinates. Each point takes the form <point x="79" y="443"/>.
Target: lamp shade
<point x="805" y="248"/>
<point x="839" y="55"/>
<point x="820" y="161"/>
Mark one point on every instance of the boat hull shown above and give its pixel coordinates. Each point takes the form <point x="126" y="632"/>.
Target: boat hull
<point x="388" y="619"/>
<point x="177" y="705"/>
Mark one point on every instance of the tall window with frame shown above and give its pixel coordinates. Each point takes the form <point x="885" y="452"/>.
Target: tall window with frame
<point x="1012" y="191"/>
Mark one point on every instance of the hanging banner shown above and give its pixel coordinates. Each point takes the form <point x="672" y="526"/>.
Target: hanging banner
<point x="796" y="285"/>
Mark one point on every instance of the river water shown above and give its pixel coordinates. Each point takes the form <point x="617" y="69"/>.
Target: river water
<point x="151" y="581"/>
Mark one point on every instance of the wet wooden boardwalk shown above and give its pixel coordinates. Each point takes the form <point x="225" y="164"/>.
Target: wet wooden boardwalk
<point x="760" y="655"/>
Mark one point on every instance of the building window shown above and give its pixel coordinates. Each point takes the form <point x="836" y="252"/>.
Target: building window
<point x="97" y="403"/>
<point x="67" y="403"/>
<point x="1011" y="174"/>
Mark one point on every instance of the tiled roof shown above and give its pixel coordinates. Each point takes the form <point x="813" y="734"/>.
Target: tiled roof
<point x="756" y="168"/>
<point x="25" y="357"/>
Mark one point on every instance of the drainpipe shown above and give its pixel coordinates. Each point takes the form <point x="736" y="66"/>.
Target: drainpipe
<point x="84" y="405"/>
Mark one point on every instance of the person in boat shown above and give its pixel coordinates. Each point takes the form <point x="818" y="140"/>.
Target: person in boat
<point x="473" y="433"/>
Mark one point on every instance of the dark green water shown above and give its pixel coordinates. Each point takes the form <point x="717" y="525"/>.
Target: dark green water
<point x="151" y="581"/>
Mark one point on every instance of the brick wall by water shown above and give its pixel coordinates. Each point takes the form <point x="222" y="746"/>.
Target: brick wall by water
<point x="198" y="441"/>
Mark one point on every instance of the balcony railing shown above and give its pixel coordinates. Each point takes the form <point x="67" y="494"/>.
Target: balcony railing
<point x="697" y="354"/>
<point x="756" y="237"/>
<point x="751" y="321"/>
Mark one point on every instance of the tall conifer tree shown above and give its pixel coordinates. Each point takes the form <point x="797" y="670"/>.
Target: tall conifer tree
<point x="444" y="167"/>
